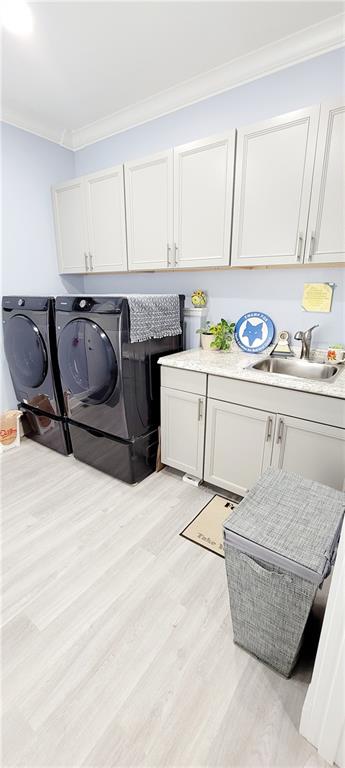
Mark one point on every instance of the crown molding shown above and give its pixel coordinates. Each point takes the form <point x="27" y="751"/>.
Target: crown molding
<point x="306" y="44"/>
<point x="38" y="128"/>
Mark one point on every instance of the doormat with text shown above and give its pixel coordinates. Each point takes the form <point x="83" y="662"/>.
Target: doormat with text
<point x="206" y="529"/>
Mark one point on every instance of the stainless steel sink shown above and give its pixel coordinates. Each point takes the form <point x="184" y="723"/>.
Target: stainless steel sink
<point x="302" y="369"/>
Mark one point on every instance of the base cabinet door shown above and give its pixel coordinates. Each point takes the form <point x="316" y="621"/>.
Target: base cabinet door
<point x="182" y="430"/>
<point x="315" y="451"/>
<point x="238" y="445"/>
<point x="105" y="198"/>
<point x="326" y="228"/>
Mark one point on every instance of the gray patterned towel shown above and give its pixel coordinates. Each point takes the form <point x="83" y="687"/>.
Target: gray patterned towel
<point x="154" y="316"/>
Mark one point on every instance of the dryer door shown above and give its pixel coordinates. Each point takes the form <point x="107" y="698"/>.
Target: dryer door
<point x="88" y="364"/>
<point x="26" y="353"/>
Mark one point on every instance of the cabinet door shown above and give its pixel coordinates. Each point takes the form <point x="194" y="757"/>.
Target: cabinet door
<point x="70" y="226"/>
<point x="312" y="450"/>
<point x="238" y="445"/>
<point x="326" y="231"/>
<point x="149" y="210"/>
<point x="106" y="220"/>
<point x="182" y="430"/>
<point x="203" y="182"/>
<point x="274" y="167"/>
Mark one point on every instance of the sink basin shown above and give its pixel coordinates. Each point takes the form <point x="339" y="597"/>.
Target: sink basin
<point x="303" y="369"/>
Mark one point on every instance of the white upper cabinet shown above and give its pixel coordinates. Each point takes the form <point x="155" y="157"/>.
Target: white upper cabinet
<point x="274" y="169"/>
<point x="149" y="209"/>
<point x="326" y="231"/>
<point x="175" y="209"/>
<point x="70" y="226"/>
<point x="90" y="223"/>
<point x="203" y="184"/>
<point x="105" y="202"/>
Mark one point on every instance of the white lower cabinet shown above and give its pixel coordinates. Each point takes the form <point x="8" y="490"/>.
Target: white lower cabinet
<point x="238" y="445"/>
<point x="213" y="429"/>
<point x="316" y="451"/>
<point x="182" y="430"/>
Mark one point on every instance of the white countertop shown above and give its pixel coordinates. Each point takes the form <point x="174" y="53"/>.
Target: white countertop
<point x="234" y="365"/>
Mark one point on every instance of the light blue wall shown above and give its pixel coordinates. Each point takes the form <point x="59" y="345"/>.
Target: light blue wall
<point x="278" y="292"/>
<point x="231" y="294"/>
<point x="29" y="166"/>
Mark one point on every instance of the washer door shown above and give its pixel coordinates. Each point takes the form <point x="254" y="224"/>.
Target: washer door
<point x="25" y="351"/>
<point x="87" y="362"/>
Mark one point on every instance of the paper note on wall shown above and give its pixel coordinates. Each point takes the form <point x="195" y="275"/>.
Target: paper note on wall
<point x="317" y="297"/>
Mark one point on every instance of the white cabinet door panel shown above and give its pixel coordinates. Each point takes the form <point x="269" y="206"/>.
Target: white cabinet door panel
<point x="149" y="209"/>
<point x="182" y="430"/>
<point x="106" y="220"/>
<point x="70" y="226"/>
<point x="326" y="231"/>
<point x="238" y="445"/>
<point x="203" y="183"/>
<point x="309" y="449"/>
<point x="274" y="167"/>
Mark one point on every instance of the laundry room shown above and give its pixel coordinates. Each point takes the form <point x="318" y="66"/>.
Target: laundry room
<point x="173" y="383"/>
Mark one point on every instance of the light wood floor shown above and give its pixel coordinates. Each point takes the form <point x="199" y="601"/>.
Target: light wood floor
<point x="117" y="645"/>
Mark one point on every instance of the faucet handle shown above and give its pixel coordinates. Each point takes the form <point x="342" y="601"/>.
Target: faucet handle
<point x="302" y="334"/>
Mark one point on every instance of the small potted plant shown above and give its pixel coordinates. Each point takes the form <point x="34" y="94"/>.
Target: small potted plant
<point x="223" y="334"/>
<point x="206" y="335"/>
<point x="218" y="336"/>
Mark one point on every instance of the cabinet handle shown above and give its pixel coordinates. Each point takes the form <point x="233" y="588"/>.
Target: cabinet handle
<point x="300" y="246"/>
<point x="168" y="254"/>
<point x="176" y="257"/>
<point x="269" y="428"/>
<point x="312" y="245"/>
<point x="86" y="266"/>
<point x="280" y="431"/>
<point x="91" y="264"/>
<point x="200" y="409"/>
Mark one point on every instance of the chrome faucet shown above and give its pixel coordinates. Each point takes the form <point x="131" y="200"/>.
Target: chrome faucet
<point x="305" y="338"/>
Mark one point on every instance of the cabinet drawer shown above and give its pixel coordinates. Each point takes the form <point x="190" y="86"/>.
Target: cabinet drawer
<point x="186" y="381"/>
<point x="303" y="405"/>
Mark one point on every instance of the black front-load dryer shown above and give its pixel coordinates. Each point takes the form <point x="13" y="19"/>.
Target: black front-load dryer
<point x="30" y="348"/>
<point x="111" y="386"/>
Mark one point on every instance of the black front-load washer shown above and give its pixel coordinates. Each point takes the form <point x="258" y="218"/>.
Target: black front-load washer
<point x="111" y="386"/>
<point x="30" y="348"/>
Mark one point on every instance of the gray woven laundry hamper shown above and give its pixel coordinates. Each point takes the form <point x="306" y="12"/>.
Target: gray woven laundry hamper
<point x="279" y="544"/>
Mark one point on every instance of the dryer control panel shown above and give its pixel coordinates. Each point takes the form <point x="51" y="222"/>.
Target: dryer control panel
<point x="34" y="303"/>
<point x="103" y="305"/>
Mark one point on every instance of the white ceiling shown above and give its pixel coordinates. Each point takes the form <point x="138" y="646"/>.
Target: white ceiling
<point x="95" y="68"/>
